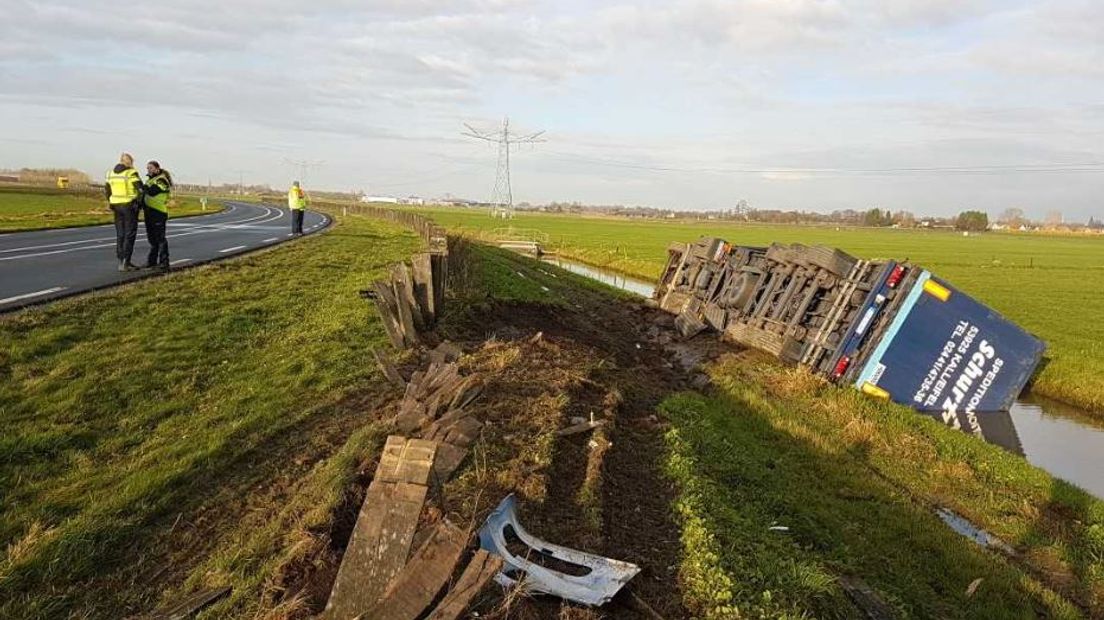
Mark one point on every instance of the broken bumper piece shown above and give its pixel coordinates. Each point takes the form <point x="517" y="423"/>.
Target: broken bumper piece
<point x="597" y="580"/>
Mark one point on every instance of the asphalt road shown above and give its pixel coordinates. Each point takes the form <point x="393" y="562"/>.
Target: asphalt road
<point x="41" y="265"/>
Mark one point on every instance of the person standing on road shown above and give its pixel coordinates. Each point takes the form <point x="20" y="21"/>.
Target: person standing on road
<point x="297" y="202"/>
<point x="123" y="188"/>
<point x="156" y="212"/>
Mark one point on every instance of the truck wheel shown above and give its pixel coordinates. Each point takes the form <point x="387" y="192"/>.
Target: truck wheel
<point x="743" y="288"/>
<point x="831" y="260"/>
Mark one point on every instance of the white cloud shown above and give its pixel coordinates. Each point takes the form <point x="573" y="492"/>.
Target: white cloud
<point x="379" y="89"/>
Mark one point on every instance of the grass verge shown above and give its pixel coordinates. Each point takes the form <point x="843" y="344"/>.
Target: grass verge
<point x="127" y="412"/>
<point x="855" y="482"/>
<point x="23" y="209"/>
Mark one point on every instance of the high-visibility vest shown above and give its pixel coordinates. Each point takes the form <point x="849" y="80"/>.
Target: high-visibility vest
<point x="124" y="186"/>
<point x="159" y="201"/>
<point x="296" y="198"/>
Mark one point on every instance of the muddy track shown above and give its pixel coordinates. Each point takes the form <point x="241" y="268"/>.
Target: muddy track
<point x="606" y="491"/>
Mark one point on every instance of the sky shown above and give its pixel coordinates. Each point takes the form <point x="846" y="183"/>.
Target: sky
<point x="934" y="106"/>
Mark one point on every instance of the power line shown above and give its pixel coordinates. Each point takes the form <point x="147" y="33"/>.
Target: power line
<point x="502" y="198"/>
<point x="303" y="165"/>
<point x="1077" y="167"/>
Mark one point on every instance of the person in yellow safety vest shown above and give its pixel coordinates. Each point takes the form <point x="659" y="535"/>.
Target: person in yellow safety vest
<point x="123" y="188"/>
<point x="297" y="202"/>
<point x="156" y="212"/>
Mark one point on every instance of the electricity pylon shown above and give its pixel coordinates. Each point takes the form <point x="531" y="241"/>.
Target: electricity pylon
<point x="502" y="198"/>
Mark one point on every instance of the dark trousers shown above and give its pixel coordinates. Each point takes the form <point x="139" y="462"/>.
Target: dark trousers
<point x="156" y="222"/>
<point x="126" y="230"/>
<point x="297" y="221"/>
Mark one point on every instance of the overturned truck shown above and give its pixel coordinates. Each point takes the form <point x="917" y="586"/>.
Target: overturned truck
<point x="892" y="329"/>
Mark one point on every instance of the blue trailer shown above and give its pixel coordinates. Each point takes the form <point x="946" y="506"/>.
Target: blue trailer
<point x="892" y="329"/>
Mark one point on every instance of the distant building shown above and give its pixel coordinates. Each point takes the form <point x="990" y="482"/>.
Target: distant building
<point x="387" y="199"/>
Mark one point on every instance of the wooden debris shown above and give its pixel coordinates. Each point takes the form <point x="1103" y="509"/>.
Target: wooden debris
<point x="389" y="314"/>
<point x="418" y="583"/>
<point x="388" y="369"/>
<point x="479" y="571"/>
<point x="384" y="531"/>
<point x="866" y="599"/>
<point x="190" y="605"/>
<point x="581" y="427"/>
<point x="464" y="432"/>
<point x="422" y="273"/>
<point x="406" y="460"/>
<point x="445" y="352"/>
<point x="448" y="459"/>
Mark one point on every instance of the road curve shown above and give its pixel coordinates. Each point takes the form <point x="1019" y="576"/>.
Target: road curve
<point x="42" y="265"/>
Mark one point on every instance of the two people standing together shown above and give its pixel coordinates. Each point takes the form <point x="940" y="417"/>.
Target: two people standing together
<point x="127" y="194"/>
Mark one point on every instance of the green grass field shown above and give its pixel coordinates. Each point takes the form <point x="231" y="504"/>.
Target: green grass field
<point x="133" y="418"/>
<point x="33" y="209"/>
<point x="1049" y="285"/>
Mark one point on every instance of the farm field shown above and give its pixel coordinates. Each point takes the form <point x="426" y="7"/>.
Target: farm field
<point x="32" y="208"/>
<point x="1050" y="285"/>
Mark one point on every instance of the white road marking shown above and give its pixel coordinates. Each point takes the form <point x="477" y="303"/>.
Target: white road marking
<point x="180" y="260"/>
<point x="270" y="240"/>
<point x="233" y="249"/>
<point x="34" y="294"/>
<point x="196" y="230"/>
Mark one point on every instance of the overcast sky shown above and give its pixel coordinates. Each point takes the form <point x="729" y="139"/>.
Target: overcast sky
<point x="928" y="105"/>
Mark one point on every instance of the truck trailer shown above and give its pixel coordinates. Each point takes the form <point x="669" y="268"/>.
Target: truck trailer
<point x="891" y="329"/>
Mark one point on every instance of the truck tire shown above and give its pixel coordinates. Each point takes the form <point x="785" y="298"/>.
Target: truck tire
<point x="833" y="261"/>
<point x="743" y="289"/>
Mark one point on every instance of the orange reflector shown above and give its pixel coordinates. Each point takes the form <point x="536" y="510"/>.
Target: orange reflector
<point x="937" y="290"/>
<point x="873" y="390"/>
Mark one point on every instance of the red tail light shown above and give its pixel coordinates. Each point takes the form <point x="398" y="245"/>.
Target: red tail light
<point x="895" y="277"/>
<point x="841" y="366"/>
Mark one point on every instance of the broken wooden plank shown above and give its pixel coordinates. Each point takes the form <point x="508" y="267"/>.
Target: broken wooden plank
<point x="422" y="268"/>
<point x="412" y="415"/>
<point x="866" y="599"/>
<point x="447" y="460"/>
<point x="405" y="290"/>
<point x="445" y="352"/>
<point x="406" y="460"/>
<point x="471" y="390"/>
<point x="438" y="429"/>
<point x="479" y="571"/>
<point x="418" y="583"/>
<point x="389" y="313"/>
<point x="387" y="368"/>
<point x="384" y="531"/>
<point x="405" y="313"/>
<point x="190" y="605"/>
<point x="464" y="432"/>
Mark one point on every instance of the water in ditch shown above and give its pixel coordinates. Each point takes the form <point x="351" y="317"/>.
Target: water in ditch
<point x="1066" y="441"/>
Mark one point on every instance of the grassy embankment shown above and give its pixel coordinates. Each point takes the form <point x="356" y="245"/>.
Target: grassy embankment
<point x="856" y="482"/>
<point x="1047" y="284"/>
<point x="219" y="412"/>
<point x="23" y="208"/>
